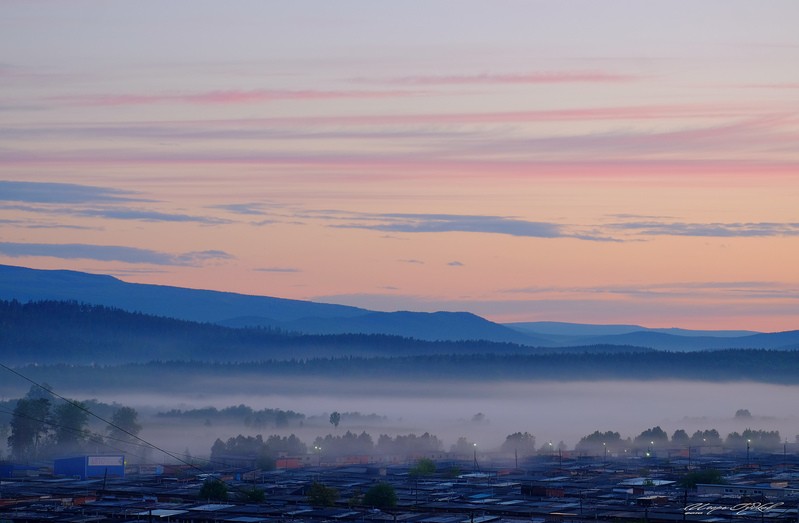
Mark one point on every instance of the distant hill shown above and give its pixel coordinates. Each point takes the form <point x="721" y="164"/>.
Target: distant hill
<point x="559" y="328"/>
<point x="453" y="326"/>
<point x="25" y="284"/>
<point x="569" y="334"/>
<point x="240" y="310"/>
<point x="90" y="346"/>
<point x="657" y="340"/>
<point x="51" y="332"/>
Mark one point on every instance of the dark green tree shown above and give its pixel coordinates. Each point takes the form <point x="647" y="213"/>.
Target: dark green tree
<point x="755" y="439"/>
<point x="380" y="495"/>
<point x="28" y="427"/>
<point x="125" y="426"/>
<point x="597" y="442"/>
<point x="705" y="477"/>
<point x="710" y="437"/>
<point x="521" y="443"/>
<point x="70" y="421"/>
<point x="463" y="447"/>
<point x="251" y="494"/>
<point x="424" y="467"/>
<point x="655" y="435"/>
<point x="335" y="418"/>
<point x="680" y="437"/>
<point x="38" y="392"/>
<point x="213" y="490"/>
<point x="320" y="495"/>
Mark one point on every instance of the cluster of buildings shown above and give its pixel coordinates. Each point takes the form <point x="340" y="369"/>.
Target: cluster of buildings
<point x="546" y="489"/>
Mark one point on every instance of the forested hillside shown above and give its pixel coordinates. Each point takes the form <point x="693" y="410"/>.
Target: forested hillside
<point x="75" y="333"/>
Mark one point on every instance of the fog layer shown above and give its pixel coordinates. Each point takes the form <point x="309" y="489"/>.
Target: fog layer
<point x="552" y="411"/>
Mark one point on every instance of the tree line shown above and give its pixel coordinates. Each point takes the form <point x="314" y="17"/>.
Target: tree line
<point x="519" y="444"/>
<point x="656" y="438"/>
<point x="43" y="426"/>
<point x="754" y="365"/>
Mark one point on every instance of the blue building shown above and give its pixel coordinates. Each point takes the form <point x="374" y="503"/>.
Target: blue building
<point x="92" y="466"/>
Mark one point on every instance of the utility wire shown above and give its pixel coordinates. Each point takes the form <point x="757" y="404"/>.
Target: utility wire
<point x="111" y="424"/>
<point x="84" y="409"/>
<point x="102" y="440"/>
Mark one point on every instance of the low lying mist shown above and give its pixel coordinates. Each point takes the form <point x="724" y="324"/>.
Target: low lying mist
<point x="484" y="413"/>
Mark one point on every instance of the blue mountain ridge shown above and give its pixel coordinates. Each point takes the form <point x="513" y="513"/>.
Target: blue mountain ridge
<point x="241" y="310"/>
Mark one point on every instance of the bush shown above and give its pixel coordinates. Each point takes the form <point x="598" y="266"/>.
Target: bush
<point x="380" y="496"/>
<point x="213" y="490"/>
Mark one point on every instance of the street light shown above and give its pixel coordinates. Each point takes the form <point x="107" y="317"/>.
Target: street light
<point x="747" y="451"/>
<point x="475" y="456"/>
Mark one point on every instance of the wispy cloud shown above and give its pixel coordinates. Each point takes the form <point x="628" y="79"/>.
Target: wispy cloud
<point x="224" y="97"/>
<point x="147" y="216"/>
<point x="786" y="85"/>
<point x="538" y="77"/>
<point x="755" y="229"/>
<point x="321" y="127"/>
<point x="249" y="209"/>
<point x="455" y="264"/>
<point x="112" y="213"/>
<point x="412" y="262"/>
<point x="440" y="223"/>
<point x="629" y="112"/>
<point x="277" y="269"/>
<point x="41" y="192"/>
<point x="715" y="290"/>
<point x="109" y="253"/>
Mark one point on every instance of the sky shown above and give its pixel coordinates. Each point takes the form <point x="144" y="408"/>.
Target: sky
<point x="582" y="161"/>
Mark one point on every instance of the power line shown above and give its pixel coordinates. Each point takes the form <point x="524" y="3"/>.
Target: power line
<point x="144" y="442"/>
<point x="100" y="438"/>
<point x="77" y="405"/>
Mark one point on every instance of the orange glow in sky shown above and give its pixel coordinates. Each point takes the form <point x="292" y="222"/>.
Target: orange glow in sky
<point x="621" y="162"/>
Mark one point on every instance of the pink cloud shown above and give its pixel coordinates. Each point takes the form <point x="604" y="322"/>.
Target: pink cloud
<point x="403" y="166"/>
<point x="554" y="77"/>
<point x="793" y="85"/>
<point x="647" y="112"/>
<point x="224" y="97"/>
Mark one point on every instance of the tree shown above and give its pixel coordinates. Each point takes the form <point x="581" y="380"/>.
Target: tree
<point x="599" y="441"/>
<point x="650" y="436"/>
<point x="743" y="413"/>
<point x="213" y="490"/>
<point x="28" y="426"/>
<point x="335" y="418"/>
<point x="680" y="437"/>
<point x="124" y="426"/>
<point x="759" y="439"/>
<point x="124" y="429"/>
<point x="423" y="467"/>
<point x="705" y="477"/>
<point x="251" y="495"/>
<point x="320" y="495"/>
<point x="70" y="421"/>
<point x="522" y="443"/>
<point x="38" y="392"/>
<point x="709" y="437"/>
<point x="3" y="436"/>
<point x="463" y="447"/>
<point x="380" y="495"/>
